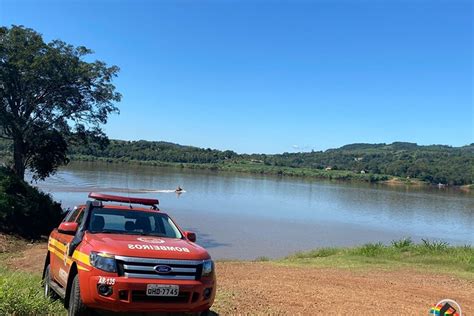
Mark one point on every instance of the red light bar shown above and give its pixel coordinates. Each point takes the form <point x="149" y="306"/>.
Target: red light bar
<point x="123" y="199"/>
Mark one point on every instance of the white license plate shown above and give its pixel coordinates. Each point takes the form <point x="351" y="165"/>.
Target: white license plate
<point x="162" y="290"/>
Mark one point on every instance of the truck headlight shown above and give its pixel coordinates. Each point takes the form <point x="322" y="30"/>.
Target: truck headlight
<point x="207" y="267"/>
<point x="103" y="261"/>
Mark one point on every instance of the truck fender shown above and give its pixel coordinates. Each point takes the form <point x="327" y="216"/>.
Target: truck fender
<point x="70" y="278"/>
<point x="46" y="263"/>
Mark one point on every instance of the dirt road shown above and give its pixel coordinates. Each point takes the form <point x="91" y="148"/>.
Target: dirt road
<point x="268" y="288"/>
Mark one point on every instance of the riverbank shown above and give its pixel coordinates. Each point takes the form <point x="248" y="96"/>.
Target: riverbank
<point x="330" y="280"/>
<point x="257" y="168"/>
<point x="467" y="188"/>
<point x="260" y="167"/>
<point x="409" y="162"/>
<point x="249" y="167"/>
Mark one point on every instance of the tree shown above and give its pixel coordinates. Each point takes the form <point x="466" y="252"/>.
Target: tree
<point x="50" y="97"/>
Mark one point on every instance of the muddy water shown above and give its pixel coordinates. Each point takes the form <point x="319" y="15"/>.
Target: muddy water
<point x="242" y="216"/>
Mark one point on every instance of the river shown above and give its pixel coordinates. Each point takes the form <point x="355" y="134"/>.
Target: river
<point x="240" y="216"/>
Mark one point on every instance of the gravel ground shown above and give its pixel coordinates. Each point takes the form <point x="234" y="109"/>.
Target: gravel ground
<point x="267" y="288"/>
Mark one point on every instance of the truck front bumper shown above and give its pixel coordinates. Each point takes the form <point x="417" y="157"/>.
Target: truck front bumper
<point x="129" y="295"/>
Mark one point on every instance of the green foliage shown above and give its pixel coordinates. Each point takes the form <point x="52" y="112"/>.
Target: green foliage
<point x="21" y="294"/>
<point x="154" y="151"/>
<point x="434" y="164"/>
<point x="369" y="250"/>
<point x="23" y="209"/>
<point x="403" y="243"/>
<point x="435" y="245"/>
<point x="50" y="97"/>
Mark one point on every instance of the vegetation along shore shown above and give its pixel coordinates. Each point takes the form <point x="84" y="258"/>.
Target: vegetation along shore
<point x="393" y="164"/>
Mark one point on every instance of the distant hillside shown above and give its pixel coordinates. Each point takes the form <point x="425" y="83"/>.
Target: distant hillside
<point x="433" y="163"/>
<point x="156" y="151"/>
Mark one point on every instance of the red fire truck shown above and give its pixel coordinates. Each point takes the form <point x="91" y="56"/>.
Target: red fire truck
<point x="122" y="257"/>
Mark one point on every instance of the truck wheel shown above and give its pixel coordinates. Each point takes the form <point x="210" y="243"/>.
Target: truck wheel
<point x="76" y="307"/>
<point x="48" y="292"/>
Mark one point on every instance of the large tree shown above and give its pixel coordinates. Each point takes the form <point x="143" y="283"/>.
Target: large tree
<point x="50" y="96"/>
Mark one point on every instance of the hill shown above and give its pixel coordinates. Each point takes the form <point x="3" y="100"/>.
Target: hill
<point x="369" y="162"/>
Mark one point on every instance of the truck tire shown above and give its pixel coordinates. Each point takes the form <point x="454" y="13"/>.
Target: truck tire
<point x="76" y="307"/>
<point x="48" y="292"/>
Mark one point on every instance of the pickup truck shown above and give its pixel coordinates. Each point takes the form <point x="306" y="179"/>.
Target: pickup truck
<point x="123" y="258"/>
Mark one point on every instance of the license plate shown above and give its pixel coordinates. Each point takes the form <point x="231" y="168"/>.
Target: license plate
<point x="162" y="290"/>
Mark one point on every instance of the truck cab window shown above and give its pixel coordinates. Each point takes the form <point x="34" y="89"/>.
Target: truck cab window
<point x="72" y="215"/>
<point x="80" y="217"/>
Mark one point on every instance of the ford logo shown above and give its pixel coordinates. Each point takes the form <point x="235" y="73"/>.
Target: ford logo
<point x="162" y="269"/>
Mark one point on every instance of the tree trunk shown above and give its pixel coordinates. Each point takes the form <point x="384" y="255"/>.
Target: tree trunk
<point x="19" y="157"/>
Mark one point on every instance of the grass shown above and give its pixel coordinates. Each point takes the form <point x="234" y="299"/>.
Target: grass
<point x="21" y="294"/>
<point x="262" y="259"/>
<point x="429" y="255"/>
<point x="224" y="300"/>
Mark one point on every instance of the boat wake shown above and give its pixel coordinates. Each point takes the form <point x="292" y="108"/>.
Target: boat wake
<point x="55" y="188"/>
<point x="158" y="191"/>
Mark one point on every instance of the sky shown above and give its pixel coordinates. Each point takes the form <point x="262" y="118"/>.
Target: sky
<point x="276" y="76"/>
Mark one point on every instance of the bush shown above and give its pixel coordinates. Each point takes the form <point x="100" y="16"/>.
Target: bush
<point x="403" y="243"/>
<point x="24" y="210"/>
<point x="435" y="245"/>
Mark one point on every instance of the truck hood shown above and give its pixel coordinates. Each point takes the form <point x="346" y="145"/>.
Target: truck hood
<point x="145" y="246"/>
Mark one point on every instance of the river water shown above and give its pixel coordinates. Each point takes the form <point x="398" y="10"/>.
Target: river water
<point x="239" y="216"/>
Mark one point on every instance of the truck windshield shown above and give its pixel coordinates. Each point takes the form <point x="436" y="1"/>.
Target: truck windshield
<point x="132" y="222"/>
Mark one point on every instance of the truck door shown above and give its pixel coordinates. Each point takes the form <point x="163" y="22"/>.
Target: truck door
<point x="63" y="262"/>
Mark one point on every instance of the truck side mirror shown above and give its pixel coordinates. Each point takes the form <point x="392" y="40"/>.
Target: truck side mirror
<point x="68" y="228"/>
<point x="190" y="236"/>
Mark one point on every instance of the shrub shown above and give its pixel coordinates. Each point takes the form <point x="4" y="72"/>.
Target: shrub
<point x="402" y="243"/>
<point x="24" y="210"/>
<point x="434" y="245"/>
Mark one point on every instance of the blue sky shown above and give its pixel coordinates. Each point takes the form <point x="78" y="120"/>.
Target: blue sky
<point x="275" y="76"/>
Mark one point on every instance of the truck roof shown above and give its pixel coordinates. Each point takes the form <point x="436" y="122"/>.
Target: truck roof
<point x="126" y="207"/>
<point x="125" y="199"/>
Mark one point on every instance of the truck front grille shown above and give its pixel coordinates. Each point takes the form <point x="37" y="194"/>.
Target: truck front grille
<point x="134" y="267"/>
